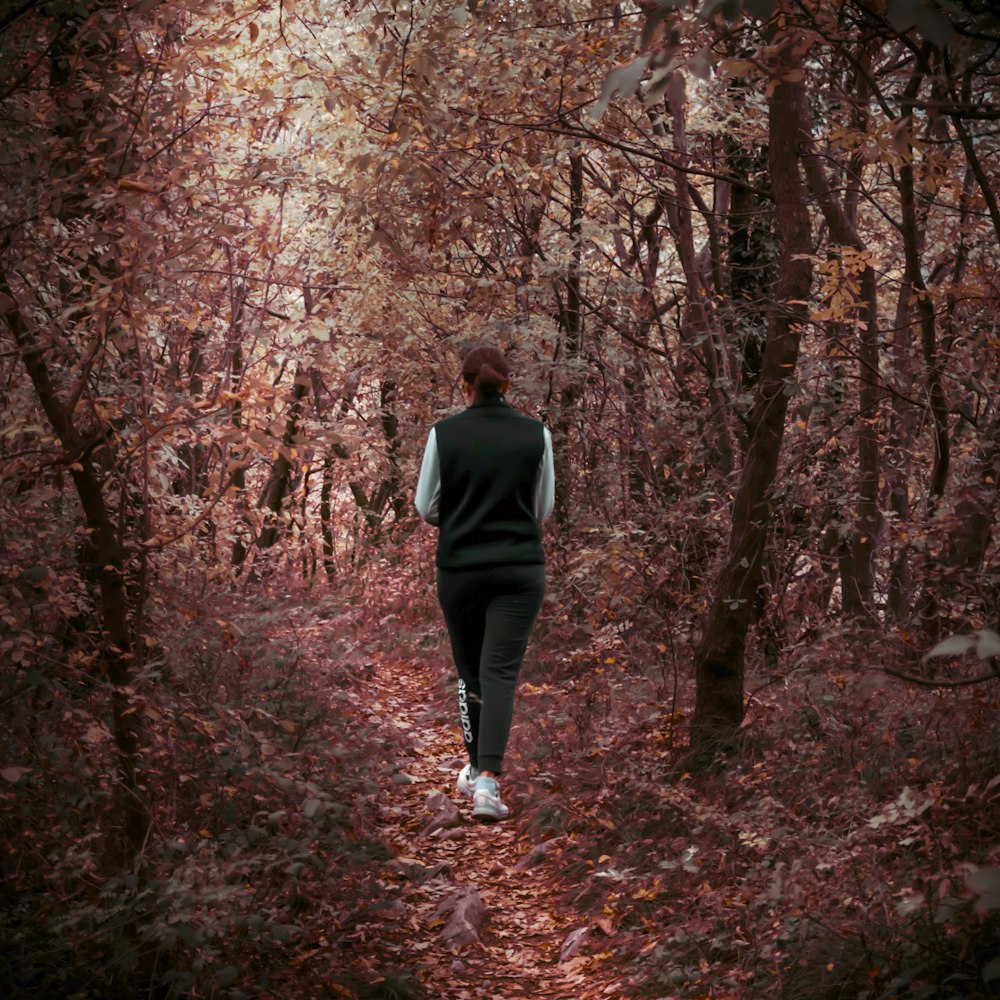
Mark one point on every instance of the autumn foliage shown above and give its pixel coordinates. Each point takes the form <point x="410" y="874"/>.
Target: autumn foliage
<point x="743" y="257"/>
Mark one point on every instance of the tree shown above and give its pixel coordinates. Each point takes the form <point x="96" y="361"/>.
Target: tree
<point x="719" y="657"/>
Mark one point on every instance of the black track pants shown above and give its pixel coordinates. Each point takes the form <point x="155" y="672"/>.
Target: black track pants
<point x="489" y="612"/>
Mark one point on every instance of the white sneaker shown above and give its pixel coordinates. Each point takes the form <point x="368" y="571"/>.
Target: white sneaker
<point x="466" y="782"/>
<point x="486" y="804"/>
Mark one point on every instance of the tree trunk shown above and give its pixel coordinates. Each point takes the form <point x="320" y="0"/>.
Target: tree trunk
<point x="702" y="328"/>
<point x="924" y="305"/>
<point x="750" y="269"/>
<point x="83" y="76"/>
<point x="956" y="577"/>
<point x="237" y="306"/>
<point x="857" y="574"/>
<point x="570" y="324"/>
<point x="388" y="491"/>
<point x="281" y="473"/>
<point x="103" y="561"/>
<point x="897" y="466"/>
<point x="719" y="658"/>
<point x="859" y="592"/>
<point x="326" y="492"/>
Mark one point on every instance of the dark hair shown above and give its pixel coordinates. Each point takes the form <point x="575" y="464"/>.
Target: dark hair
<point x="485" y="368"/>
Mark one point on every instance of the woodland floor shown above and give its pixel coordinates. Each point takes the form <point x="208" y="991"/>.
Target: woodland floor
<point x="807" y="868"/>
<point x="312" y="845"/>
<point x="523" y="928"/>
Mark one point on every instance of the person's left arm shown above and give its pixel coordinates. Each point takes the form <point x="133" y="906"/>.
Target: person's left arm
<point x="545" y="484"/>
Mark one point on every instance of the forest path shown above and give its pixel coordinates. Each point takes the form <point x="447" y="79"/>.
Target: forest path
<point x="525" y="928"/>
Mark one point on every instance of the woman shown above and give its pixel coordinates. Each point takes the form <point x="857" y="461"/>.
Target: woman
<point x="487" y="482"/>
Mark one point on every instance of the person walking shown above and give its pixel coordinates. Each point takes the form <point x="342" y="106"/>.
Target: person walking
<point x="487" y="482"/>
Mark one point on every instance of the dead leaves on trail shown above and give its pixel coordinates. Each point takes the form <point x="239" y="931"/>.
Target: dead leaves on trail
<point x="465" y="911"/>
<point x="480" y="913"/>
<point x="444" y="814"/>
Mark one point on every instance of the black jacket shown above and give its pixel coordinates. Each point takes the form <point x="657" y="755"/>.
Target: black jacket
<point x="490" y="458"/>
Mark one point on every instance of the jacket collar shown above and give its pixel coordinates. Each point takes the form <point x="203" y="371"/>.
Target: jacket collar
<point x="497" y="400"/>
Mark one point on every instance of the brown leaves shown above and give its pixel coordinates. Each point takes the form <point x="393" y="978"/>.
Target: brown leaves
<point x="466" y="912"/>
<point x="445" y="814"/>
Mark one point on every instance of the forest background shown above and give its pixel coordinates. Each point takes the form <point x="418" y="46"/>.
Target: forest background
<point x="744" y="259"/>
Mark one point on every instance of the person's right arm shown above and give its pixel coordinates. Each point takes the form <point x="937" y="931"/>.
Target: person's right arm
<point x="428" y="498"/>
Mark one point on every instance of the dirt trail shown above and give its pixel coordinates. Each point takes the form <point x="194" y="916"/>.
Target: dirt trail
<point x="523" y="931"/>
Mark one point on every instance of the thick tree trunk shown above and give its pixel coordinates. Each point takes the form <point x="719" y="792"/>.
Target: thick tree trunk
<point x="103" y="561"/>
<point x="920" y="296"/>
<point x="719" y="658"/>
<point x="83" y="77"/>
<point x="859" y="590"/>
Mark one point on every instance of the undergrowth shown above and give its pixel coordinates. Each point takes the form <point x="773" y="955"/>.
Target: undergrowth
<point x="850" y="850"/>
<point x="260" y="847"/>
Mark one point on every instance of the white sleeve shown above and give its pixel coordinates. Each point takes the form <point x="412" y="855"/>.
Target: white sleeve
<point x="545" y="485"/>
<point x="428" y="498"/>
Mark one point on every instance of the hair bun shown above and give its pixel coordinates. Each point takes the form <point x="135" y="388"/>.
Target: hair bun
<point x="486" y="369"/>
